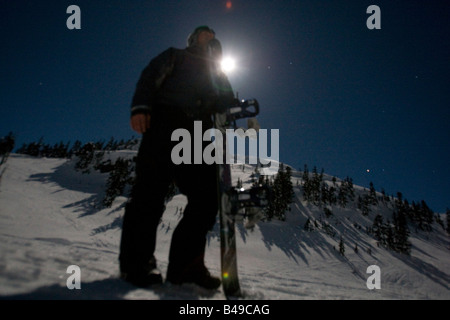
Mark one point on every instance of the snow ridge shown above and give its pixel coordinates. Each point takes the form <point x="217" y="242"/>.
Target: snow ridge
<point x="52" y="217"/>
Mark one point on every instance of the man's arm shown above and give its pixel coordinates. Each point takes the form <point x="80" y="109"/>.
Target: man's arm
<point x="149" y="82"/>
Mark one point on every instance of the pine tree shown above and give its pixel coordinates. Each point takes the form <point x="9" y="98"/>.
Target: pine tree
<point x="346" y="192"/>
<point x="400" y="230"/>
<point x="305" y="175"/>
<point x="6" y="146"/>
<point x="401" y="242"/>
<point x="350" y="188"/>
<point x="308" y="226"/>
<point x="447" y="216"/>
<point x="287" y="186"/>
<point x="385" y="196"/>
<point x="118" y="179"/>
<point x="363" y="205"/>
<point x="332" y="198"/>
<point x="427" y="216"/>
<point x="372" y="195"/>
<point x="111" y="145"/>
<point x="439" y="221"/>
<point x="306" y="184"/>
<point x="324" y="193"/>
<point x="341" y="246"/>
<point x="328" y="212"/>
<point x="85" y="156"/>
<point x="315" y="187"/>
<point x="377" y="228"/>
<point x="282" y="194"/>
<point x="389" y="236"/>
<point x="75" y="148"/>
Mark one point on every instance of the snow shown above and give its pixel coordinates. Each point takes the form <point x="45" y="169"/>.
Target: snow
<point x="51" y="218"/>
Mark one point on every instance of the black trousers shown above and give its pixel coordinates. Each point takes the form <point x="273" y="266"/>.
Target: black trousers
<point x="154" y="173"/>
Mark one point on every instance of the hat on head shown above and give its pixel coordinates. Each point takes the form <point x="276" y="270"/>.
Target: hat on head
<point x="192" y="39"/>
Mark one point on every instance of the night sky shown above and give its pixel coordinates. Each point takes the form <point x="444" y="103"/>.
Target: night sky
<point x="373" y="105"/>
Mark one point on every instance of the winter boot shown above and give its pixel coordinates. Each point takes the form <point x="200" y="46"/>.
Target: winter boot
<point x="142" y="276"/>
<point x="199" y="276"/>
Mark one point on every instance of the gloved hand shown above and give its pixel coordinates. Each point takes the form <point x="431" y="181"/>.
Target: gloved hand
<point x="140" y="122"/>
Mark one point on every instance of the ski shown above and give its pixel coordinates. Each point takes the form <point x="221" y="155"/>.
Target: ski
<point x="229" y="274"/>
<point x="231" y="200"/>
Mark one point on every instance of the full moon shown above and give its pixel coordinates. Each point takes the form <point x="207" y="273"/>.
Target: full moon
<point x="228" y="65"/>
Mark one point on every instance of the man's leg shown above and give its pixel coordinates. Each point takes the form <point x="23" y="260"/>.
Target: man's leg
<point x="142" y="216"/>
<point x="187" y="251"/>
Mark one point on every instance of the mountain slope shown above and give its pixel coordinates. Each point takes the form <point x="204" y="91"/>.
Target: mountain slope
<point x="51" y="217"/>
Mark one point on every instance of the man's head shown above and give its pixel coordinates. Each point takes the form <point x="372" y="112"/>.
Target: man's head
<point x="200" y="36"/>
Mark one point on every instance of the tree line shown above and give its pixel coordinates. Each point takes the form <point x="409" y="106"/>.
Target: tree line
<point x="78" y="148"/>
<point x="390" y="233"/>
<point x="91" y="156"/>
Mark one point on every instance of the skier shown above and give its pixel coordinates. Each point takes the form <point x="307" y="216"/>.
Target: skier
<point x="173" y="91"/>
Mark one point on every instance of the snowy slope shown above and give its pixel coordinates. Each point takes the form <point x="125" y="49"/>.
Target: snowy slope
<point x="51" y="218"/>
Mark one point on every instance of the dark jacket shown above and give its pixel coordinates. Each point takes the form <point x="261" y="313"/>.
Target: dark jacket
<point x="182" y="80"/>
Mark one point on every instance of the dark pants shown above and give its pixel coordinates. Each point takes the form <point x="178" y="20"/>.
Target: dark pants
<point x="154" y="173"/>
